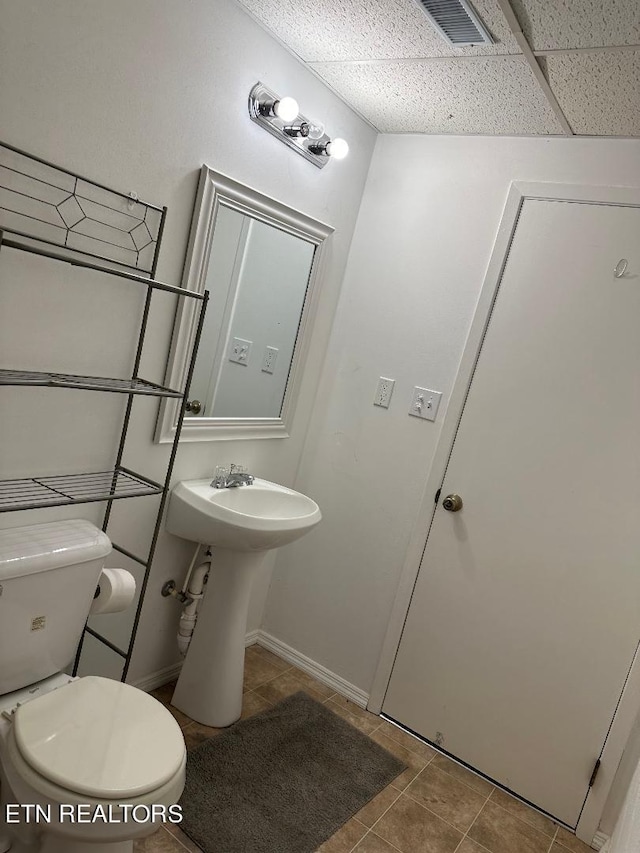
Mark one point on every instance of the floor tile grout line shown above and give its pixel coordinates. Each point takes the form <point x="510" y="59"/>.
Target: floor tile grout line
<point x="379" y="818"/>
<point x="480" y="847"/>
<point x="511" y="814"/>
<point x="176" y="839"/>
<point x="439" y="817"/>
<point x="370" y="828"/>
<point x="322" y="700"/>
<point x="462" y="782"/>
<point x="466" y="834"/>
<point x="406" y="748"/>
<point x="442" y="769"/>
<point x="369" y="832"/>
<point x="414" y="800"/>
<point x="268" y="681"/>
<point x="535" y="811"/>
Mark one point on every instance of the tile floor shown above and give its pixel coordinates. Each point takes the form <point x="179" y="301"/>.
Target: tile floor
<point x="435" y="806"/>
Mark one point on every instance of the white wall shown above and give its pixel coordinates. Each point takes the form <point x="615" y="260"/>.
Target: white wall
<point x="139" y="96"/>
<point x="424" y="237"/>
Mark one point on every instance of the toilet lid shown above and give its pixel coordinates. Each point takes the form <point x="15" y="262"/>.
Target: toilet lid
<point x="100" y="737"/>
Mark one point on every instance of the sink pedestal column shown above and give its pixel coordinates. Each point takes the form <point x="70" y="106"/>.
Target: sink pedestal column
<point x="209" y="688"/>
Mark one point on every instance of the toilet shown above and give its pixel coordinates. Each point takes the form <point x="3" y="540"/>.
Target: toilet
<point x="87" y="765"/>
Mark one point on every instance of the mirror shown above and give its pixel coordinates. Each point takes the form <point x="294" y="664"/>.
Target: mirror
<point x="260" y="262"/>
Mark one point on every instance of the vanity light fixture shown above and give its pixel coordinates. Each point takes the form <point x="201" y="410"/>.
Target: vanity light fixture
<point x="284" y="108"/>
<point x="281" y="118"/>
<point x="336" y="148"/>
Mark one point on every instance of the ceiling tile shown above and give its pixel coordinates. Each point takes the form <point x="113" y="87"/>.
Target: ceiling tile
<point x="558" y="24"/>
<point x="598" y="92"/>
<point x="496" y="95"/>
<point x="334" y="30"/>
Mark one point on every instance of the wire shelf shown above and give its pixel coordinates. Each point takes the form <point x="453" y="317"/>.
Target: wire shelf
<point x="86" y="383"/>
<point x="49" y="204"/>
<point x="65" y="489"/>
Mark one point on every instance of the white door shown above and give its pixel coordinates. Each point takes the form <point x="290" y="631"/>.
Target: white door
<point x="526" y="613"/>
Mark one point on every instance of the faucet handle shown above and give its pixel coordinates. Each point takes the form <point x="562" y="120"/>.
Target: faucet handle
<point x="220" y="477"/>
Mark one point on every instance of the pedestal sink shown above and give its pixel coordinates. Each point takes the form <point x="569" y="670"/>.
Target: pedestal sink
<point x="241" y="525"/>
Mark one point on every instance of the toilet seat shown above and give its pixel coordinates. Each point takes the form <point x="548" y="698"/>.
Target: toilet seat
<point x="168" y="794"/>
<point x="98" y="738"/>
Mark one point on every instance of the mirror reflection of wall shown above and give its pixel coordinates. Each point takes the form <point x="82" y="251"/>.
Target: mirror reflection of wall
<point x="257" y="276"/>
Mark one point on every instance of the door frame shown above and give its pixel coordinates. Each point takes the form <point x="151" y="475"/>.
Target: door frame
<point x="629" y="704"/>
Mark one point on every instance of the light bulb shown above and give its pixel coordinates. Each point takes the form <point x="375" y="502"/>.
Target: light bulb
<point x="337" y="148"/>
<point x="316" y="129"/>
<point x="286" y="109"/>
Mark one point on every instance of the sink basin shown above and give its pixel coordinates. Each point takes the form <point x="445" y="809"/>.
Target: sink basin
<point x="246" y="518"/>
<point x="241" y="525"/>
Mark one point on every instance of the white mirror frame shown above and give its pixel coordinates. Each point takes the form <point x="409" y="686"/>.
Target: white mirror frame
<point x="216" y="190"/>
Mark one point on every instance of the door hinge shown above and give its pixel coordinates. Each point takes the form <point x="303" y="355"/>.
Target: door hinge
<point x="594" y="774"/>
<point x="437" y="497"/>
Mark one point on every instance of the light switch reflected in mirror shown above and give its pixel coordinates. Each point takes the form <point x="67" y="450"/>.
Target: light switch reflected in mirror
<point x="257" y="277"/>
<point x="261" y="261"/>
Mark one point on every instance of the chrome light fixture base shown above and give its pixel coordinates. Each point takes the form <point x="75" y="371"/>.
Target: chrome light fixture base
<point x="259" y="96"/>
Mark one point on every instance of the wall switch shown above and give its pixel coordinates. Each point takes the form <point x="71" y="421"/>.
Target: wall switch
<point x="240" y="351"/>
<point x="425" y="403"/>
<point x="269" y="360"/>
<point x="384" y="392"/>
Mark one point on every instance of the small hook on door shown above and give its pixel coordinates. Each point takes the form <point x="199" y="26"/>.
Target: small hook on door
<point x="620" y="268"/>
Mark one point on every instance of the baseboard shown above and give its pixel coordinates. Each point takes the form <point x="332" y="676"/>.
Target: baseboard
<point x="599" y="840"/>
<point x="321" y="673"/>
<point x="157" y="679"/>
<point x="252" y="637"/>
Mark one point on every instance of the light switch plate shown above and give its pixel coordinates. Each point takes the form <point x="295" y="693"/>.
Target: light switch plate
<point x="240" y="351"/>
<point x="384" y="390"/>
<point x="425" y="403"/>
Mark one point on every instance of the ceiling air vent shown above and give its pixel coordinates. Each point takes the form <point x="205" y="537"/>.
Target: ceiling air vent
<point x="456" y="21"/>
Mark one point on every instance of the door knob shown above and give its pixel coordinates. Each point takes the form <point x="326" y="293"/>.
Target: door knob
<point x="194" y="406"/>
<point x="452" y="503"/>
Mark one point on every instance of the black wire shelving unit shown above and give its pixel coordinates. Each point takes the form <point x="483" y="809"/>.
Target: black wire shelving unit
<point x="47" y="210"/>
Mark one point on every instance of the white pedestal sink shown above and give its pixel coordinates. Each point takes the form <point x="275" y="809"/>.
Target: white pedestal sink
<point x="240" y="524"/>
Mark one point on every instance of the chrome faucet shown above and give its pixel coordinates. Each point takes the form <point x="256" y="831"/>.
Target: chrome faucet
<point x="231" y="477"/>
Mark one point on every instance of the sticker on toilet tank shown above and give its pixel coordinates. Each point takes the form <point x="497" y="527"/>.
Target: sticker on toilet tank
<point x="38" y="623"/>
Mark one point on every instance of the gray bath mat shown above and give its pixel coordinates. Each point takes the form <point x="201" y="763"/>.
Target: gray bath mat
<point x="282" y="781"/>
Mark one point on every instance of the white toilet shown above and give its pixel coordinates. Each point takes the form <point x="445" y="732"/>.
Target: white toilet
<point x="98" y="762"/>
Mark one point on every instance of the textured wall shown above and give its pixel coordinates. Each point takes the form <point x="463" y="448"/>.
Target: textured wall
<point x="139" y="96"/>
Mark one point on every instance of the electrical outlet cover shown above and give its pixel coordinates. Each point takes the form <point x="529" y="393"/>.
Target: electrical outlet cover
<point x="384" y="391"/>
<point x="269" y="360"/>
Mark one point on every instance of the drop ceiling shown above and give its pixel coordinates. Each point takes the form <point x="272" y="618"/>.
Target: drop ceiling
<point x="557" y="67"/>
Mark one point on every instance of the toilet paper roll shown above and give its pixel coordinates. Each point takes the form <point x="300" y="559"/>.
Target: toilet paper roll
<point x="115" y="592"/>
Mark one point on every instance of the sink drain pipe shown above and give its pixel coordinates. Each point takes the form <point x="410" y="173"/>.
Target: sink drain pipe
<point x="191" y="595"/>
<point x="189" y="615"/>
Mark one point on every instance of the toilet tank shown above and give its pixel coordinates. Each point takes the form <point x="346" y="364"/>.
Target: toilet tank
<point x="48" y="577"/>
